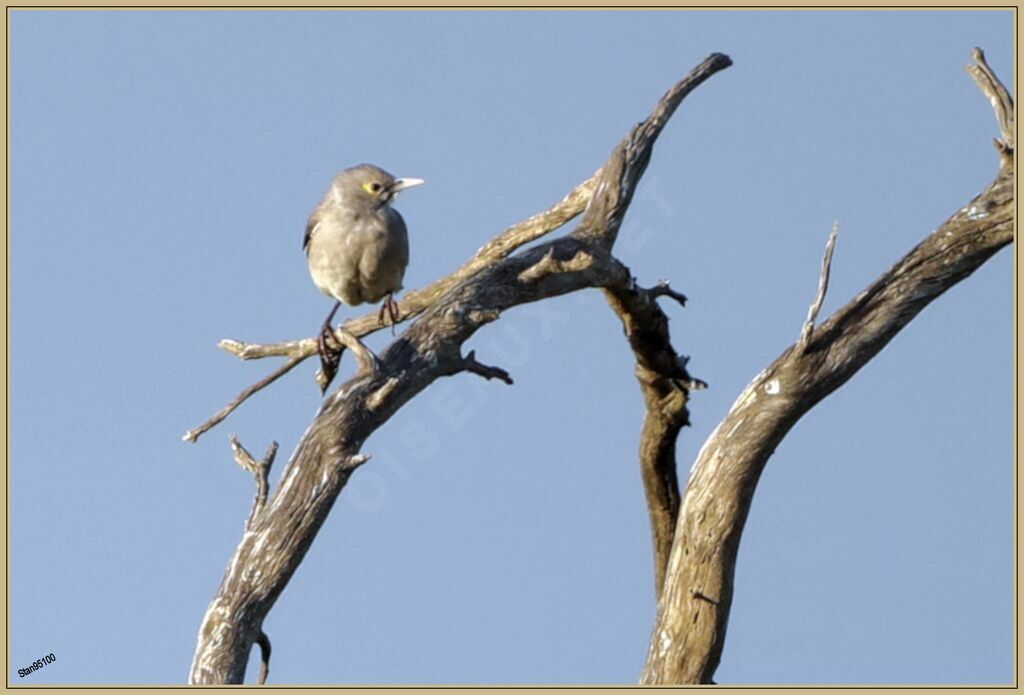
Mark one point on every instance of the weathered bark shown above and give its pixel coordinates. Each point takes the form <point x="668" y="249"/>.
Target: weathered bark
<point x="665" y="385"/>
<point x="695" y="542"/>
<point x="693" y="610"/>
<point x="450" y="311"/>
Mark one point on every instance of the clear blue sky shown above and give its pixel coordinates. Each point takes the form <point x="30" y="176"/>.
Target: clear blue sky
<point x="162" y="168"/>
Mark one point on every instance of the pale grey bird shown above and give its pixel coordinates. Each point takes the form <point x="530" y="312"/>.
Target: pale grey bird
<point x="357" y="247"/>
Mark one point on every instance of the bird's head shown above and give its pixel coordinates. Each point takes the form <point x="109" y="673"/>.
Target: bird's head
<point x="369" y="185"/>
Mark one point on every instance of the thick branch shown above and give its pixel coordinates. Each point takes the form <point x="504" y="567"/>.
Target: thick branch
<point x="661" y="372"/>
<point x="271" y="551"/>
<point x="693" y="611"/>
<point x="415" y="302"/>
<point x="666" y="386"/>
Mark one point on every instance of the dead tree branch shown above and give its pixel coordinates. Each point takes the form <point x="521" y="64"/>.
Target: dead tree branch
<point x="819" y="299"/>
<point x="665" y="385"/>
<point x="663" y="289"/>
<point x="218" y="417"/>
<point x="259" y="469"/>
<point x="999" y="97"/>
<point x="693" y="610"/>
<point x="416" y="301"/>
<point x="410" y="306"/>
<point x="412" y="303"/>
<point x="473" y="367"/>
<point x="448" y="313"/>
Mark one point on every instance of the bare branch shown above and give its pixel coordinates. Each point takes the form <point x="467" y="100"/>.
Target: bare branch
<point x="260" y="469"/>
<point x="614" y="183"/>
<point x="819" y="299"/>
<point x="368" y="362"/>
<point x="253" y="351"/>
<point x="353" y="462"/>
<point x="194" y="434"/>
<point x="410" y="306"/>
<point x="689" y="633"/>
<point x="430" y="348"/>
<point x="470" y="364"/>
<point x="663" y="289"/>
<point x="376" y="398"/>
<point x="999" y="97"/>
<point x="665" y="384"/>
<point x="628" y="161"/>
<point x="416" y="301"/>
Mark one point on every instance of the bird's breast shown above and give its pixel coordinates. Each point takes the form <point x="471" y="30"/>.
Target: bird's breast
<point x="359" y="257"/>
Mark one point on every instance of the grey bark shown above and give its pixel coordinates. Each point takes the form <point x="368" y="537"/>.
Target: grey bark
<point x="282" y="531"/>
<point x="693" y="609"/>
<point x="696" y="535"/>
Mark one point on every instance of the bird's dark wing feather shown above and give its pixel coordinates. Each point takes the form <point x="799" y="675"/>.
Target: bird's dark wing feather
<point x="401" y="239"/>
<point x="311" y="225"/>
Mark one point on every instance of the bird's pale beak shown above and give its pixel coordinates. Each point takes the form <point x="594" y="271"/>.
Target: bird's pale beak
<point x="402" y="184"/>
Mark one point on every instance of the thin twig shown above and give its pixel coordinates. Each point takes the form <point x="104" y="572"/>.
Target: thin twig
<point x="663" y="289"/>
<point x="353" y="462"/>
<point x="470" y="364"/>
<point x="194" y="434"/>
<point x="260" y="469"/>
<point x="826" y="269"/>
<point x="998" y="96"/>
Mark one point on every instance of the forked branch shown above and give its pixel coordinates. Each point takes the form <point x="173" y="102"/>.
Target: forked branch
<point x="665" y="385"/>
<point x="693" y="611"/>
<point x="447" y="313"/>
<point x="260" y="470"/>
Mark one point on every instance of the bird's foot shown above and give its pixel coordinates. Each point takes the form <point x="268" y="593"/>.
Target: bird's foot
<point x="330" y="357"/>
<point x="391" y="306"/>
<point x="393" y="312"/>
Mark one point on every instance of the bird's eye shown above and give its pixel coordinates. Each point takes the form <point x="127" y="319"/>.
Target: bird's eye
<point x="374" y="187"/>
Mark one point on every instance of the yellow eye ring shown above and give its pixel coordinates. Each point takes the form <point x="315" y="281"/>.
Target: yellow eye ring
<point x="373" y="187"/>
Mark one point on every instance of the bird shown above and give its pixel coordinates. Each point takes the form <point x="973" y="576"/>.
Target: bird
<point x="357" y="247"/>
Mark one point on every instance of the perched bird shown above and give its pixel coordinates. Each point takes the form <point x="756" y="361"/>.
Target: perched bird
<point x="358" y="249"/>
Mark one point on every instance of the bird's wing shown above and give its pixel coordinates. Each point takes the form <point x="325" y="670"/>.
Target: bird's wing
<point x="400" y="239"/>
<point x="311" y="225"/>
